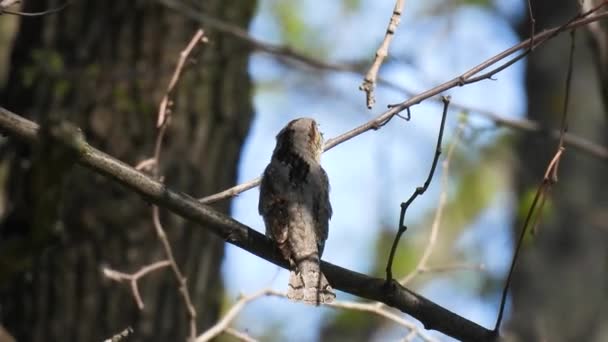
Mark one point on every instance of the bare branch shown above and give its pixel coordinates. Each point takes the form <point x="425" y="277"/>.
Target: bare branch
<point x="239" y="335"/>
<point x="451" y="267"/>
<point x="443" y="199"/>
<point x="123" y="335"/>
<point x="198" y="37"/>
<point x="6" y="3"/>
<point x="232" y="191"/>
<point x="285" y="52"/>
<point x="179" y="277"/>
<point x="532" y="24"/>
<point x="225" y="322"/>
<point x="401" y="228"/>
<point x="380" y="310"/>
<point x="526" y="125"/>
<point x="163" y="121"/>
<point x="147" y="164"/>
<point x="133" y="278"/>
<point x="153" y="164"/>
<point x="393" y="294"/>
<point x="549" y="178"/>
<point x="369" y="82"/>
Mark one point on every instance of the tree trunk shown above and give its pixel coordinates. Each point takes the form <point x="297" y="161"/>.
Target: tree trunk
<point x="104" y="65"/>
<point x="559" y="288"/>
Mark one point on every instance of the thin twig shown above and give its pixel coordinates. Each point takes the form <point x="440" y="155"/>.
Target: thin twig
<point x="452" y="267"/>
<point x="532" y="24"/>
<point x="419" y="191"/>
<point x="153" y="163"/>
<point x="235" y="190"/>
<point x="564" y="120"/>
<point x="443" y="199"/>
<point x="121" y="335"/>
<point x="179" y="277"/>
<point x="225" y="322"/>
<point x="538" y="39"/>
<point x="165" y="104"/>
<point x="147" y="164"/>
<point x="369" y="82"/>
<point x="134" y="277"/>
<point x="164" y="113"/>
<point x="381" y="311"/>
<point x="549" y="178"/>
<point x="6" y="4"/>
<point x="532" y="42"/>
<point x="239" y="335"/>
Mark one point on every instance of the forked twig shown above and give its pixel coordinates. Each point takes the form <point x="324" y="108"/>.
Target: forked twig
<point x="134" y="277"/>
<point x="419" y="191"/>
<point x="223" y="325"/>
<point x="152" y="164"/>
<point x="369" y="82"/>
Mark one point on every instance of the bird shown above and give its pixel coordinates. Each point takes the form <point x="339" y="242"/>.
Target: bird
<point x="294" y="202"/>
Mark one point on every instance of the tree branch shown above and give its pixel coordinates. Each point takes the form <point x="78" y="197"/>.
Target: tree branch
<point x="465" y="78"/>
<point x="7" y="3"/>
<point x="369" y="81"/>
<point x="430" y="314"/>
<point x="401" y="228"/>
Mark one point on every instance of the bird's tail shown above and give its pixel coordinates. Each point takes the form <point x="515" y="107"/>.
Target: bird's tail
<point x="309" y="285"/>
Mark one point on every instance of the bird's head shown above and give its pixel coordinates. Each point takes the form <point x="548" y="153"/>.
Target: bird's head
<point x="303" y="136"/>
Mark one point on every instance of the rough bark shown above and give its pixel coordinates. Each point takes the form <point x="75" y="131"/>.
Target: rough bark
<point x="105" y="65"/>
<point x="559" y="289"/>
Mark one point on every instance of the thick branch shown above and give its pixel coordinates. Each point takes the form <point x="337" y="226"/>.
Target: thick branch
<point x="430" y="314"/>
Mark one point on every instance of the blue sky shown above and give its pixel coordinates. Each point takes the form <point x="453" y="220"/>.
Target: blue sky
<point x="373" y="173"/>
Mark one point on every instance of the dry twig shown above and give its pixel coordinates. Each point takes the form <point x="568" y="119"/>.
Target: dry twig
<point x="239" y="335"/>
<point x="465" y="78"/>
<point x="134" y="277"/>
<point x="163" y="121"/>
<point x="443" y="198"/>
<point x="7" y="3"/>
<point x="380" y="310"/>
<point x="285" y="52"/>
<point x="549" y="179"/>
<point x="153" y="163"/>
<point x="532" y="24"/>
<point x="225" y="322"/>
<point x="369" y="82"/>
<point x="223" y="325"/>
<point x="121" y="335"/>
<point x="401" y="228"/>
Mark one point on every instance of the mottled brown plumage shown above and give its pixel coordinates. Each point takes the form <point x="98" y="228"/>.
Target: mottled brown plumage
<point x="294" y="201"/>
